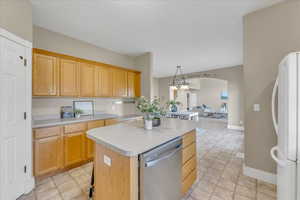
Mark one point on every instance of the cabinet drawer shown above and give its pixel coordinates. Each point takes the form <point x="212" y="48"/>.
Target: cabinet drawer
<point x="188" y="152"/>
<point x="189" y="181"/>
<point x="188" y="167"/>
<point x="47" y="132"/>
<point x="188" y="139"/>
<point x="75" y="128"/>
<point x="95" y="124"/>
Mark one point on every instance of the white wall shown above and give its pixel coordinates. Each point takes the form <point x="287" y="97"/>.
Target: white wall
<point x="269" y="35"/>
<point x="50" y="107"/>
<point x="235" y="81"/>
<point x="210" y="92"/>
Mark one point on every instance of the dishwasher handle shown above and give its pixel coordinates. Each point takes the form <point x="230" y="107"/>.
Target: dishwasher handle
<point x="152" y="163"/>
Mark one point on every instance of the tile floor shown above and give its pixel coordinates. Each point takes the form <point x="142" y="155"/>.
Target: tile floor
<point x="219" y="172"/>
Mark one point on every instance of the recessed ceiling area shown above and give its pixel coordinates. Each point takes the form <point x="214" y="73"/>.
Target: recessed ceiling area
<point x="196" y="34"/>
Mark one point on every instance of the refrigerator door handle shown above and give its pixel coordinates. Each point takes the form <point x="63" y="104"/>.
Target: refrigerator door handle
<point x="281" y="163"/>
<point x="273" y="106"/>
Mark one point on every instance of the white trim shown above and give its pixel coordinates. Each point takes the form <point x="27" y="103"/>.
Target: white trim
<point x="234" y="127"/>
<point x="15" y="38"/>
<point x="29" y="185"/>
<point x="259" y="174"/>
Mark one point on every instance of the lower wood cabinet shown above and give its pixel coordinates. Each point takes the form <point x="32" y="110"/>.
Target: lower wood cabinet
<point x="60" y="147"/>
<point x="74" y="148"/>
<point x="48" y="150"/>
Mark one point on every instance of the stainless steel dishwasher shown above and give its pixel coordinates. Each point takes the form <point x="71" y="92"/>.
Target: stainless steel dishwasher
<point x="160" y="172"/>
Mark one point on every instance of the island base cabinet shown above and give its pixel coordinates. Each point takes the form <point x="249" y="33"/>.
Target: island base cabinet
<point x="189" y="161"/>
<point x="74" y="148"/>
<point x="116" y="176"/>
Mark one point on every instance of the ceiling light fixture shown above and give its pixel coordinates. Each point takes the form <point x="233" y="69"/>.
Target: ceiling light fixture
<point x="179" y="80"/>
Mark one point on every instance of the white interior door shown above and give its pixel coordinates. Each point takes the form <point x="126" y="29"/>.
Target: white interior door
<point x="12" y="122"/>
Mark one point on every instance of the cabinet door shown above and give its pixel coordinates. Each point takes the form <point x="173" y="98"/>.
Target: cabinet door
<point x="45" y="75"/>
<point x="119" y="83"/>
<point x="137" y="86"/>
<point x="90" y="145"/>
<point x="131" y="84"/>
<point x="69" y="83"/>
<point x="48" y="155"/>
<point x="74" y="148"/>
<point x="87" y="80"/>
<point x="109" y="122"/>
<point x="103" y="82"/>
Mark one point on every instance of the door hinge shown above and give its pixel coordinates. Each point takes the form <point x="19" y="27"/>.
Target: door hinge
<point x="25" y="169"/>
<point x="25" y="62"/>
<point x="25" y="115"/>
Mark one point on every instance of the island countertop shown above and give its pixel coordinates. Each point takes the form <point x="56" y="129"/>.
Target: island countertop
<point x="131" y="139"/>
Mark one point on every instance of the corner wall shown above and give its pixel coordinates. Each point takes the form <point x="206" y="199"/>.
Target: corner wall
<point x="269" y="35"/>
<point x="16" y="17"/>
<point x="234" y="78"/>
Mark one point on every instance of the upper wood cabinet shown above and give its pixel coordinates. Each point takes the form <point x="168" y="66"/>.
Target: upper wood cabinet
<point x="103" y="82"/>
<point x="69" y="78"/>
<point x="87" y="80"/>
<point x="61" y="75"/>
<point x="119" y="83"/>
<point x="131" y="84"/>
<point x="45" y="75"/>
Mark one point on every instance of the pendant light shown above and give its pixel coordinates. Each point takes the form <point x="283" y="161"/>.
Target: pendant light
<point x="179" y="80"/>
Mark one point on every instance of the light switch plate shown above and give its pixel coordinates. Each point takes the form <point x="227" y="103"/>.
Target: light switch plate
<point x="256" y="107"/>
<point x="107" y="160"/>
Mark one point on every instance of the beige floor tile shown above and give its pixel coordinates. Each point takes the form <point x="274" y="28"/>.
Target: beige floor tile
<point x="239" y="197"/>
<point x="244" y="191"/>
<point x="227" y="184"/>
<point x="198" y="194"/>
<point x="247" y="182"/>
<point x="71" y="193"/>
<point x="206" y="186"/>
<point x="45" y="186"/>
<point x="61" y="178"/>
<point x="30" y="196"/>
<point x="223" y="193"/>
<point x="262" y="196"/>
<point x="48" y="194"/>
<point x="266" y="188"/>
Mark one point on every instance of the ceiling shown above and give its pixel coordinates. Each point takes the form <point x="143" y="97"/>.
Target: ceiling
<point x="197" y="34"/>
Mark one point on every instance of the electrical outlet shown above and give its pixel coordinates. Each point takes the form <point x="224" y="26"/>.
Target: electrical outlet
<point x="256" y="107"/>
<point x="107" y="160"/>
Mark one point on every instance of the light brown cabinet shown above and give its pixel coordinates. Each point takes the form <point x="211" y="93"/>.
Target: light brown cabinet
<point x="69" y="78"/>
<point x="74" y="148"/>
<point x="87" y="80"/>
<point x="189" y="161"/>
<point x="61" y="75"/>
<point x="44" y="75"/>
<point x="119" y="83"/>
<point x="48" y="150"/>
<point x="103" y="82"/>
<point x="131" y="84"/>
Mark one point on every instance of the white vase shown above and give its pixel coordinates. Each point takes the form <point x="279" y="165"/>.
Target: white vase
<point x="148" y="124"/>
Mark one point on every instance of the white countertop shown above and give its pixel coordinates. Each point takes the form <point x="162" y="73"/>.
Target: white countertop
<point x="58" y="122"/>
<point x="131" y="139"/>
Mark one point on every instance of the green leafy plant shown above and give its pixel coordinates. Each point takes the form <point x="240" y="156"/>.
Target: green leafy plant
<point x="78" y="112"/>
<point x="151" y="108"/>
<point x="173" y="103"/>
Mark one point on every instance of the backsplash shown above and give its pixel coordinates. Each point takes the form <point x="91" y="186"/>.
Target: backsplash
<point x="50" y="107"/>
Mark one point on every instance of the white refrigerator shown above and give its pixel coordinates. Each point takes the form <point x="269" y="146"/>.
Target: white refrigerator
<point x="287" y="125"/>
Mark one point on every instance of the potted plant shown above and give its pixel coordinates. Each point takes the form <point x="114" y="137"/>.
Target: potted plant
<point x="151" y="110"/>
<point x="173" y="104"/>
<point x="78" y="113"/>
<point x="158" y="112"/>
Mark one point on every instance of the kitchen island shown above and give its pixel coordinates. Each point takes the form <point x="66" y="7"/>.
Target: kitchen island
<point x="118" y="150"/>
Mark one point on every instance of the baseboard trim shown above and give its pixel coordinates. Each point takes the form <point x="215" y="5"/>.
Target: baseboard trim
<point x="259" y="174"/>
<point x="29" y="185"/>
<point x="234" y="127"/>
